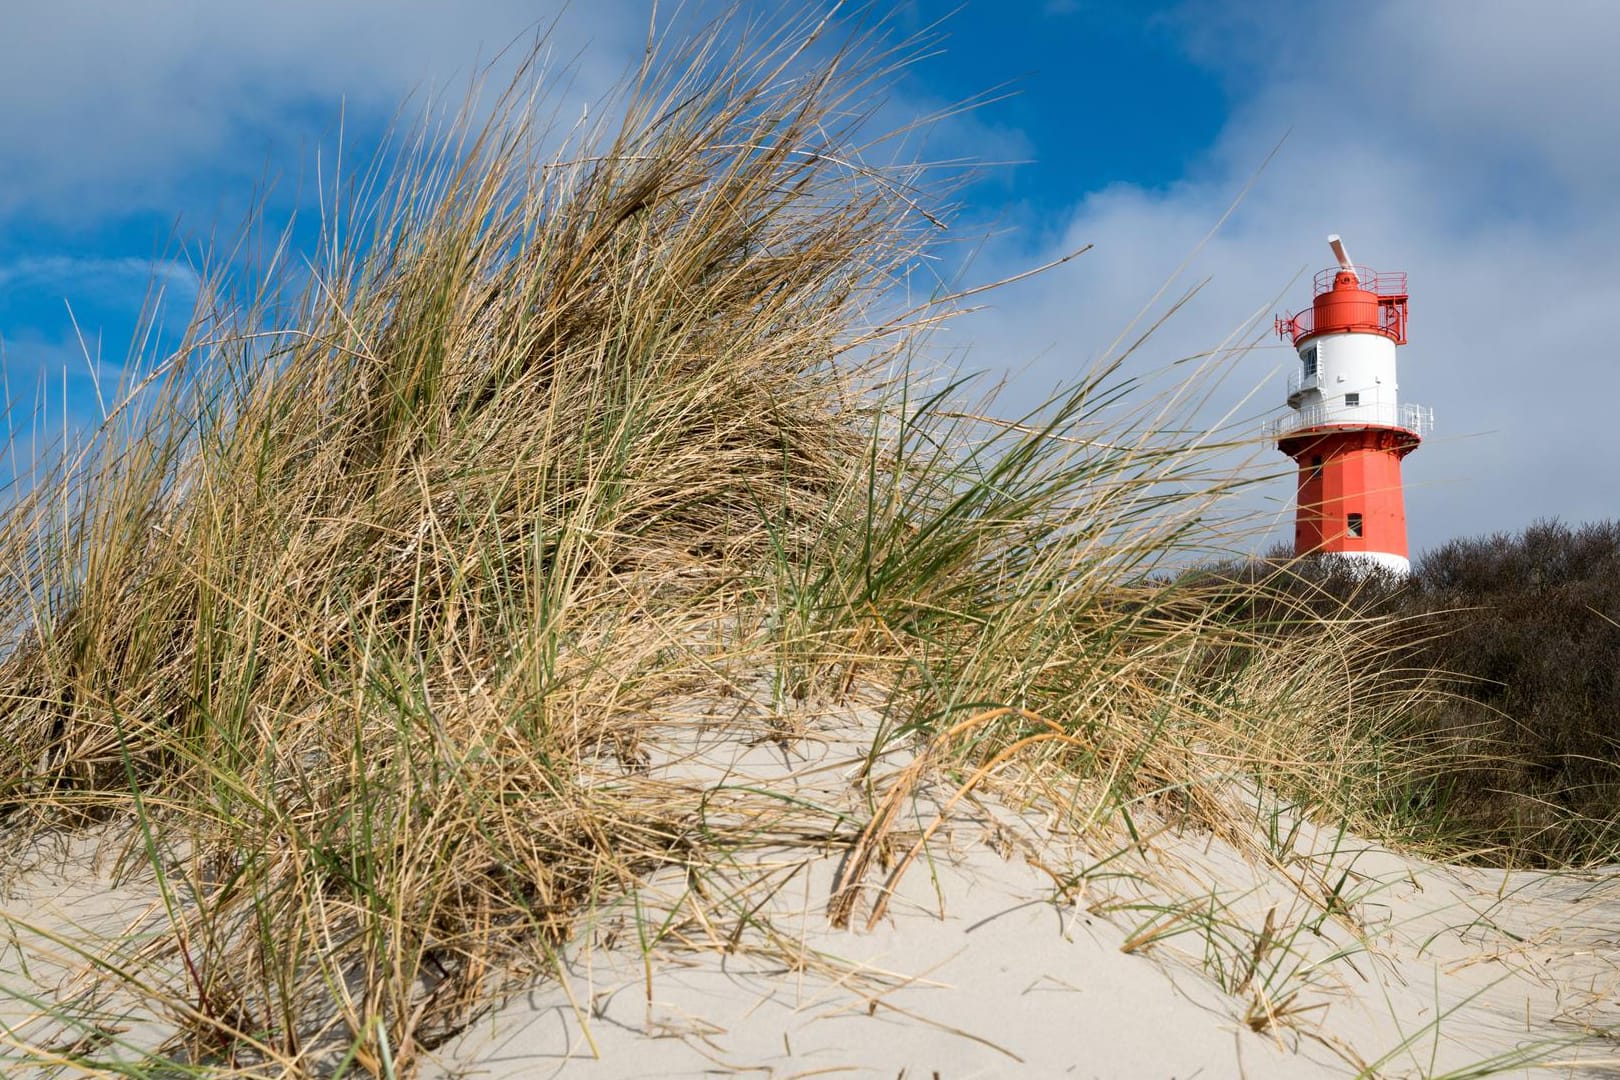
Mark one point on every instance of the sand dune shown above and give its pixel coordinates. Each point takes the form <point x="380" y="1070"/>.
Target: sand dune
<point x="1012" y="949"/>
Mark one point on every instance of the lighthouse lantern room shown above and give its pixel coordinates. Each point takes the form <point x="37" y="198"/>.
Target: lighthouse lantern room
<point x="1348" y="430"/>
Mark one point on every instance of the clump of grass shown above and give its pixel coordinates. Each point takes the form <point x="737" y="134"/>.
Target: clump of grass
<point x="341" y="608"/>
<point x="353" y="623"/>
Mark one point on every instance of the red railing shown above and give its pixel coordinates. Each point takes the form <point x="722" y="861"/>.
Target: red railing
<point x="1390" y="289"/>
<point x="1392" y="283"/>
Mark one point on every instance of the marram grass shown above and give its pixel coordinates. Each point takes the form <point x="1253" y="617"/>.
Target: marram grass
<point x="334" y="625"/>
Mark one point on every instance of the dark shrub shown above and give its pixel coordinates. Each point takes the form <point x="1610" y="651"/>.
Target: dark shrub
<point x="1520" y="754"/>
<point x="1533" y="622"/>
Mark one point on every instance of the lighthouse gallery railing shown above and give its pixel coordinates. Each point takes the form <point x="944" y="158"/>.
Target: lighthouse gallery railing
<point x="1418" y="419"/>
<point x="1389" y="287"/>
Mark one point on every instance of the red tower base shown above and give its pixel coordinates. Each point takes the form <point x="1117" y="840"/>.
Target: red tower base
<point x="1350" y="498"/>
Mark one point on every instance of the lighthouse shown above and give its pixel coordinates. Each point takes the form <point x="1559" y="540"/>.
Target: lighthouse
<point x="1349" y="430"/>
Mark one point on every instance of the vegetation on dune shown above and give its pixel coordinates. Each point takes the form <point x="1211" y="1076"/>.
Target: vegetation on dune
<point x="1523" y="631"/>
<point x="356" y="623"/>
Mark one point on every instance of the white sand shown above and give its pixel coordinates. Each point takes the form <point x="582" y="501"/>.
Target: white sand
<point x="63" y="921"/>
<point x="983" y="967"/>
<point x="1154" y="963"/>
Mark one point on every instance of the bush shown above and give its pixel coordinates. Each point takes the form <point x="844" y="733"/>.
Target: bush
<point x="1522" y="633"/>
<point x="1533" y="622"/>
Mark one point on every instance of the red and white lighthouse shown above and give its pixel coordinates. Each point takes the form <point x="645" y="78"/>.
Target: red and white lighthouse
<point x="1349" y="431"/>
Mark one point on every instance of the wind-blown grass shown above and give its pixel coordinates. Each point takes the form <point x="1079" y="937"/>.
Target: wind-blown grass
<point x="354" y="628"/>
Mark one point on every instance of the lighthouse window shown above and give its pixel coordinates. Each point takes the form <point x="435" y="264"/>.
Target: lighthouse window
<point x="1308" y="359"/>
<point x="1354" y="525"/>
<point x="1352" y="399"/>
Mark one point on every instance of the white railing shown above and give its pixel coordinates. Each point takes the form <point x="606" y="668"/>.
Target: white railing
<point x="1298" y="383"/>
<point x="1418" y="419"/>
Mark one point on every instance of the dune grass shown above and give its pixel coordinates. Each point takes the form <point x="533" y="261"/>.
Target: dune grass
<point x="350" y="630"/>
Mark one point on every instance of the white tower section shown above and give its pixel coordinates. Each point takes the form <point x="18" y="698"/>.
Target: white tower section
<point x="1346" y="378"/>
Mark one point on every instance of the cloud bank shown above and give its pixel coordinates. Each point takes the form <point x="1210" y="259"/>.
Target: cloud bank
<point x="117" y="107"/>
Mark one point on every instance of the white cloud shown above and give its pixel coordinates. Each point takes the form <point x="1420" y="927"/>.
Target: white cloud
<point x="111" y="106"/>
<point x="69" y="271"/>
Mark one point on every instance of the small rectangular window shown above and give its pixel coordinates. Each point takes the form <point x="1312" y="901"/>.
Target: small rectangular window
<point x="1351" y="400"/>
<point x="1354" y="526"/>
<point x="1308" y="359"/>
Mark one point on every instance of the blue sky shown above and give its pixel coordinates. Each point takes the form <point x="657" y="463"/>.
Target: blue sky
<point x="1471" y="144"/>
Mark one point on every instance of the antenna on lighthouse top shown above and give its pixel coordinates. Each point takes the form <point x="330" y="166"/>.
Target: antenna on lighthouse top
<point x="1339" y="253"/>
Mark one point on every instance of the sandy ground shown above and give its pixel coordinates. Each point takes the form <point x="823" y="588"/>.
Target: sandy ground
<point x="1009" y="949"/>
<point x="62" y="920"/>
<point x="1012" y="950"/>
